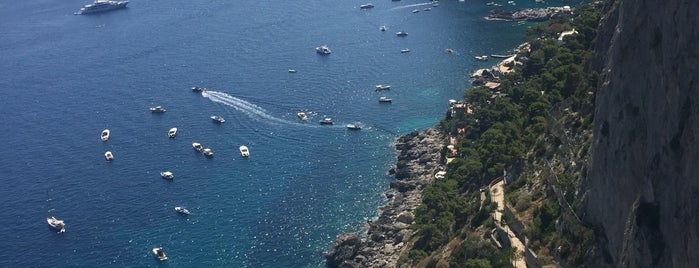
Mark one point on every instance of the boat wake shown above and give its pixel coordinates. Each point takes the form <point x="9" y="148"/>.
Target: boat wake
<point x="412" y="5"/>
<point x="252" y="110"/>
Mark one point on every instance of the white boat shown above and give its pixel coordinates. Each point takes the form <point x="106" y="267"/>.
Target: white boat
<point x="208" y="152"/>
<point x="366" y="6"/>
<point x="198" y="89"/>
<point x="244" y="151"/>
<point x="101" y="6"/>
<point x="427" y="9"/>
<point x="197" y="146"/>
<point x="157" y="109"/>
<point x="292" y="71"/>
<point x="217" y="118"/>
<point x="383" y="28"/>
<point x="159" y="253"/>
<point x="172" y="132"/>
<point x="182" y="210"/>
<point x="56" y="224"/>
<point x="402" y="34"/>
<point x="167" y="175"/>
<point x="108" y="155"/>
<point x="380" y="87"/>
<point x="482" y="58"/>
<point x="416" y="10"/>
<point x="354" y="126"/>
<point x="405" y="50"/>
<point x="326" y="121"/>
<point x="323" y="50"/>
<point x="302" y="116"/>
<point x="384" y="99"/>
<point x="105" y="135"/>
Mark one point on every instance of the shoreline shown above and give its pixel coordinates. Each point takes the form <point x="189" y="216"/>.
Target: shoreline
<point x="386" y="237"/>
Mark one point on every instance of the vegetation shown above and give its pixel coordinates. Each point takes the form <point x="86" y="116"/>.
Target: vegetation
<point x="514" y="124"/>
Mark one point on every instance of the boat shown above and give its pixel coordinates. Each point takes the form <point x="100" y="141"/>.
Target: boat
<point x="501" y="56"/>
<point x="101" y="6"/>
<point x="105" y="135"/>
<point x="354" y="126"/>
<point x="108" y="155"/>
<point x="198" y="89"/>
<point x="244" y="151"/>
<point x="157" y="109"/>
<point x="159" y="253"/>
<point x="56" y="224"/>
<point x="326" y="121"/>
<point x="402" y="34"/>
<point x="383" y="28"/>
<point x="405" y="50"/>
<point x="172" y="132"/>
<point x="380" y="87"/>
<point x="384" y="99"/>
<point x="416" y="10"/>
<point x="167" y="175"/>
<point x="490" y="3"/>
<point x="217" y="118"/>
<point x="366" y="6"/>
<point x="323" y="50"/>
<point x="182" y="210"/>
<point x="292" y="71"/>
<point x="302" y="116"/>
<point x="448" y="50"/>
<point x="208" y="152"/>
<point x="482" y="58"/>
<point x="427" y="9"/>
<point x="197" y="146"/>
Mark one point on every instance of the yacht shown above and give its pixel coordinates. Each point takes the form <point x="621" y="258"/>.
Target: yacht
<point x="244" y="151"/>
<point x="157" y="109"/>
<point x="366" y="6"/>
<point x="302" y="116"/>
<point x="416" y="10"/>
<point x="217" y="118"/>
<point x="326" y="121"/>
<point x="405" y="50"/>
<point x="101" y="6"/>
<point x="105" y="135"/>
<point x="323" y="50"/>
<point x="208" y="152"/>
<point x="482" y="58"/>
<point x="382" y="87"/>
<point x="198" y="89"/>
<point x="448" y="50"/>
<point x="167" y="175"/>
<point x="354" y="126"/>
<point x="108" y="155"/>
<point x="402" y="34"/>
<point x="383" y="28"/>
<point x="56" y="224"/>
<point x="197" y="146"/>
<point x="292" y="71"/>
<point x="159" y="253"/>
<point x="182" y="210"/>
<point x="172" y="132"/>
<point x="384" y="99"/>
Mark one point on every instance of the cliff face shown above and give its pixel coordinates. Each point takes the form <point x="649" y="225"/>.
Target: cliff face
<point x="643" y="185"/>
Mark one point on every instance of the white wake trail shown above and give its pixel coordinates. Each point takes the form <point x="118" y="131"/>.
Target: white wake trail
<point x="412" y="5"/>
<point x="252" y="110"/>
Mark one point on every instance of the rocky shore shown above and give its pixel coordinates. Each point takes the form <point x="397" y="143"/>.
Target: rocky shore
<point x="386" y="238"/>
<point x="529" y="14"/>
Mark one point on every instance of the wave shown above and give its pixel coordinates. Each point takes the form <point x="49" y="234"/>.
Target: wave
<point x="252" y="110"/>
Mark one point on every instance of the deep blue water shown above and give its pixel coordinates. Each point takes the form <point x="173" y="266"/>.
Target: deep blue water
<point x="64" y="78"/>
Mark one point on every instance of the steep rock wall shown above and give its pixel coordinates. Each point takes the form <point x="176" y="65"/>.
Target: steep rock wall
<point x="643" y="186"/>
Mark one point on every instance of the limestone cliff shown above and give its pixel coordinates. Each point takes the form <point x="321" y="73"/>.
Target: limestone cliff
<point x="643" y="185"/>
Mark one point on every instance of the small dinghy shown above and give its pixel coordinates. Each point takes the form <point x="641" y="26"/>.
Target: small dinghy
<point x="172" y="133"/>
<point x="105" y="135"/>
<point x="108" y="155"/>
<point x="159" y="253"/>
<point x="182" y="210"/>
<point x="56" y="224"/>
<point x="167" y="175"/>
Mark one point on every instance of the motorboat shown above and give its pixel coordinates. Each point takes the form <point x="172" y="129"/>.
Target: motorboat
<point x="197" y="146"/>
<point x="482" y="58"/>
<point x="217" y="118"/>
<point x="101" y="6"/>
<point x="108" y="155"/>
<point x="182" y="210"/>
<point x="302" y="116"/>
<point x="105" y="135"/>
<point x="159" y="253"/>
<point x="405" y="50"/>
<point x="172" y="132"/>
<point x="427" y="9"/>
<point x="448" y="50"/>
<point x="383" y="28"/>
<point x="402" y="34"/>
<point x="323" y="50"/>
<point x="198" y="89"/>
<point x="416" y="10"/>
<point x="244" y="151"/>
<point x="326" y="121"/>
<point x="56" y="224"/>
<point x="208" y="152"/>
<point x="380" y="87"/>
<point x="157" y="109"/>
<point x="292" y="71"/>
<point x="384" y="99"/>
<point x="366" y="6"/>
<point x="354" y="126"/>
<point x="167" y="175"/>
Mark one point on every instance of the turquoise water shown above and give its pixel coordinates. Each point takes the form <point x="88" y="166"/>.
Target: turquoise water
<point x="66" y="77"/>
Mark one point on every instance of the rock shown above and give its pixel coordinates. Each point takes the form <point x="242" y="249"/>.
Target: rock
<point x="400" y="226"/>
<point x="405" y="217"/>
<point x="344" y="248"/>
<point x="402" y="186"/>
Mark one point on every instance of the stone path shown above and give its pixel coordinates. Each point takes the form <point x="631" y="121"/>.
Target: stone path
<point x="497" y="195"/>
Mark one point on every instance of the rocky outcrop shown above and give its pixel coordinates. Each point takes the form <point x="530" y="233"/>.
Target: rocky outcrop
<point x="529" y="14"/>
<point x="386" y="238"/>
<point x="643" y="187"/>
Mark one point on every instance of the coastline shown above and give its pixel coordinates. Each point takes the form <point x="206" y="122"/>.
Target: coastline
<point x="386" y="237"/>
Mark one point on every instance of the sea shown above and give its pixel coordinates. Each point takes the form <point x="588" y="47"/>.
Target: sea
<point x="64" y="78"/>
